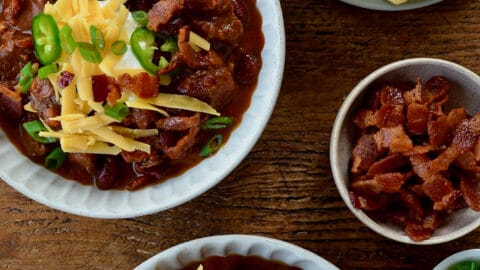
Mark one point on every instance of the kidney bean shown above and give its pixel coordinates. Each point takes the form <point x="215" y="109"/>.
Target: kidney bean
<point x="107" y="173"/>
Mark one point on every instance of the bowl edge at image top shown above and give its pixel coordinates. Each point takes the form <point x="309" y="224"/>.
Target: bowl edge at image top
<point x="199" y="249"/>
<point x="69" y="196"/>
<point x="384" y="5"/>
<point x="341" y="143"/>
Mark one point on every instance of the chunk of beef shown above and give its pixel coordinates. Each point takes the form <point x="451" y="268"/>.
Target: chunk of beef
<point x="227" y="28"/>
<point x="183" y="145"/>
<point x="15" y="39"/>
<point x="32" y="148"/>
<point x="10" y="103"/>
<point x="247" y="68"/>
<point x="214" y="86"/>
<point x="240" y="11"/>
<point x="140" y="118"/>
<point x="214" y="7"/>
<point x="86" y="161"/>
<point x="42" y="95"/>
<point x="178" y="123"/>
<point x="12" y="10"/>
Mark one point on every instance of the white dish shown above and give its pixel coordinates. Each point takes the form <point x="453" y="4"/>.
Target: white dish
<point x="470" y="254"/>
<point x="387" y="6"/>
<point x="464" y="92"/>
<point x="196" y="250"/>
<point x="54" y="191"/>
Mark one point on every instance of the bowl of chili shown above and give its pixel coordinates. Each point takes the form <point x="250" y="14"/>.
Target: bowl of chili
<point x="217" y="159"/>
<point x="401" y="191"/>
<point x="215" y="252"/>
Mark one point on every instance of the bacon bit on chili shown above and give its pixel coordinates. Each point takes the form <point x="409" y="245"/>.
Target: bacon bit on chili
<point x="65" y="79"/>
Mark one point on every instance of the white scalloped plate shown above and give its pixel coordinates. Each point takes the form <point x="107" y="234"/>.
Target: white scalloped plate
<point x="69" y="196"/>
<point x="248" y="245"/>
<point x="387" y="6"/>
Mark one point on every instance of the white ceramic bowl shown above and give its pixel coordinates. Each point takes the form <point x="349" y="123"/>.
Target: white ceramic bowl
<point x="465" y="92"/>
<point x="54" y="191"/>
<point x="248" y="245"/>
<point x="387" y="6"/>
<point x="470" y="254"/>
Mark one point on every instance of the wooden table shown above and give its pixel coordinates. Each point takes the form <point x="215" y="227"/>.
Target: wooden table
<point x="284" y="188"/>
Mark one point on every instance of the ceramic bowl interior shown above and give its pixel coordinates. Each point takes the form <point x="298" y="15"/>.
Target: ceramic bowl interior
<point x="54" y="191"/>
<point x="470" y="254"/>
<point x="387" y="6"/>
<point x="248" y="245"/>
<point x="465" y="92"/>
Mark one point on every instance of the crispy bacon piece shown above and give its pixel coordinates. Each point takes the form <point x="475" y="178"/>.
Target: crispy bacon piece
<point x="162" y="12"/>
<point x="390" y="163"/>
<point x="436" y="89"/>
<point x="365" y="118"/>
<point x="417" y="118"/>
<point x="390" y="116"/>
<point x="438" y="131"/>
<point x="386" y="182"/>
<point x="365" y="153"/>
<point x="395" y="139"/>
<point x="465" y="137"/>
<point x="470" y="192"/>
<point x="143" y="84"/>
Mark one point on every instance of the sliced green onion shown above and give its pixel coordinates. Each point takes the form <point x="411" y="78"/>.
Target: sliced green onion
<point x="119" y="47"/>
<point x="55" y="159"/>
<point x="163" y="63"/>
<point x="141" y="17"/>
<point x="43" y="72"/>
<point x="169" y="44"/>
<point x="97" y="37"/>
<point x="33" y="128"/>
<point x="211" y="146"/>
<point x="25" y="78"/>
<point x="89" y="52"/>
<point x="66" y="39"/>
<point x="118" y="112"/>
<point x="218" y="123"/>
<point x="465" y="265"/>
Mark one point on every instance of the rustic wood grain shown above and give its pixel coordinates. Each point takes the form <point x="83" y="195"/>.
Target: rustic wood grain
<point x="284" y="188"/>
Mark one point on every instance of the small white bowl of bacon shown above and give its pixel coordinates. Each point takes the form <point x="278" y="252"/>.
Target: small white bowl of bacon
<point x="404" y="151"/>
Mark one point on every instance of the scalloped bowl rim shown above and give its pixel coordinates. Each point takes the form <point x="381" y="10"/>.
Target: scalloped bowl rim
<point x="382" y="229"/>
<point x="69" y="196"/>
<point x="240" y="244"/>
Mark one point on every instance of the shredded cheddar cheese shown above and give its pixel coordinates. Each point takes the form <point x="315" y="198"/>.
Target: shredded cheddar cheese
<point x="85" y="128"/>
